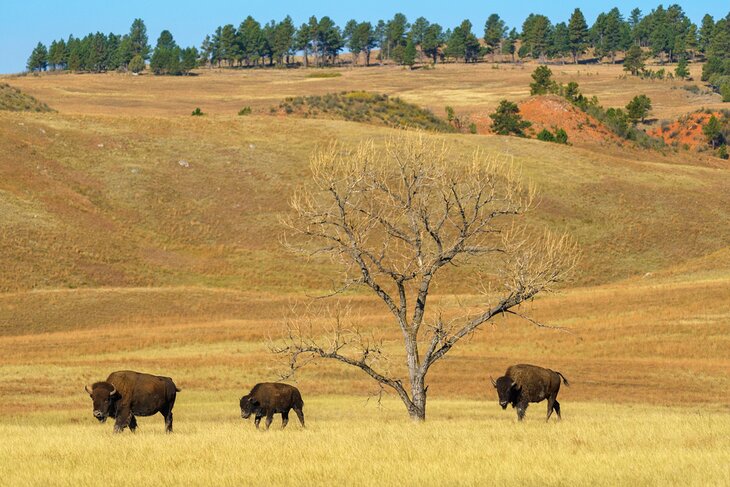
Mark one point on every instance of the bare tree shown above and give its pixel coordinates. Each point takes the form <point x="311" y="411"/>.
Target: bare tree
<point x="393" y="217"/>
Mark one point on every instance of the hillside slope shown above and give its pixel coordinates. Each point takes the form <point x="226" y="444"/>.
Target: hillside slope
<point x="100" y="201"/>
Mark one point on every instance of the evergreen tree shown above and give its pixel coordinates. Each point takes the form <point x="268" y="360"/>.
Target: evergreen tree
<point x="139" y="40"/>
<point x="543" y="82"/>
<point x="634" y="23"/>
<point x="38" y="60"/>
<point x="166" y="56"/>
<point x="634" y="60"/>
<point x="409" y="53"/>
<point x="462" y="43"/>
<point x="380" y="38"/>
<point x="362" y="39"/>
<point x="432" y="41"/>
<point x="136" y="65"/>
<point x="329" y="38"/>
<point x="506" y="120"/>
<point x="713" y="132"/>
<point x="559" y="41"/>
<point x="283" y="41"/>
<point x="206" y="51"/>
<point x="535" y="36"/>
<point x="216" y="51"/>
<point x="418" y="30"/>
<point x="577" y="34"/>
<point x="638" y="108"/>
<point x="395" y="33"/>
<point x="705" y="34"/>
<point x="249" y="47"/>
<point x="509" y="46"/>
<point x="57" y="57"/>
<point x="188" y="59"/>
<point x="303" y="42"/>
<point x="494" y="31"/>
<point x="682" y="72"/>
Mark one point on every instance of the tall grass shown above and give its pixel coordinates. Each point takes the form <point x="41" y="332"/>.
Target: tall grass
<point x="350" y="442"/>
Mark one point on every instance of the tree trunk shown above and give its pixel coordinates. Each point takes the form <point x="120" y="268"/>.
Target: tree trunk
<point x="417" y="408"/>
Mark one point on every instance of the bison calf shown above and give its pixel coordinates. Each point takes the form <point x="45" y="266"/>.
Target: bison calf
<point x="523" y="384"/>
<point x="269" y="398"/>
<point x="126" y="394"/>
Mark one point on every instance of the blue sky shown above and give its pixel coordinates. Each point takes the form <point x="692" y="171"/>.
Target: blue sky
<point x="25" y="22"/>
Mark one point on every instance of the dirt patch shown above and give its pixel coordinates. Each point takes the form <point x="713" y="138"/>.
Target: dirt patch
<point x="552" y="112"/>
<point x="685" y="132"/>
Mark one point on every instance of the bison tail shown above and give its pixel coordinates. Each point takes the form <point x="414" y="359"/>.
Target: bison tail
<point x="565" y="381"/>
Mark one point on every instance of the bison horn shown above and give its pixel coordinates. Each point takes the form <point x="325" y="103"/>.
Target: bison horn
<point x="87" y="389"/>
<point x="493" y="383"/>
<point x="114" y="391"/>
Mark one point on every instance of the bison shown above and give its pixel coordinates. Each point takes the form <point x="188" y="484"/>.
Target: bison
<point x="127" y="394"/>
<point x="269" y="398"/>
<point x="522" y="384"/>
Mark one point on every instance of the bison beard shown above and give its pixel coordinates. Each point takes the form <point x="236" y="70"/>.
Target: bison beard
<point x="268" y="398"/>
<point x="522" y="384"/>
<point x="127" y="394"/>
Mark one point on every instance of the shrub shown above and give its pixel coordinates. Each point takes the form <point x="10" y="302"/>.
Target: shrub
<point x="561" y="136"/>
<point x="245" y="111"/>
<point x="638" y="108"/>
<point x="137" y="65"/>
<point x="472" y="128"/>
<point x="722" y="152"/>
<point x="506" y="120"/>
<point x="546" y="136"/>
<point x="725" y="91"/>
<point x="197" y="112"/>
<point x="542" y="81"/>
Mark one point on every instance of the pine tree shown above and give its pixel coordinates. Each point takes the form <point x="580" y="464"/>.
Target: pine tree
<point x="713" y="132"/>
<point x="138" y="37"/>
<point x="38" y="60"/>
<point x="283" y="41"/>
<point x="206" y="51"/>
<point x="494" y="31"/>
<point x="136" y="65"/>
<point x="559" y="41"/>
<point x="682" y="72"/>
<point x="543" y="82"/>
<point x="250" y="42"/>
<point x="166" y="56"/>
<point x="409" y="53"/>
<point x="506" y="120"/>
<point x="577" y="34"/>
<point x="395" y="33"/>
<point x="535" y="36"/>
<point x="634" y="60"/>
<point x="705" y="35"/>
<point x="432" y="41"/>
<point x="638" y="108"/>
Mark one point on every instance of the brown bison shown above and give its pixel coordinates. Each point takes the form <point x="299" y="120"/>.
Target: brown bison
<point x="127" y="394"/>
<point x="269" y="398"/>
<point x="523" y="384"/>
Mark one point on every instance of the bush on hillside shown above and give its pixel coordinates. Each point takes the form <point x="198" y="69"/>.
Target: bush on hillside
<point x="364" y="106"/>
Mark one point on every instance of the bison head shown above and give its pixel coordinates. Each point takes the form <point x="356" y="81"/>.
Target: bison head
<point x="507" y="389"/>
<point x="104" y="395"/>
<point x="249" y="406"/>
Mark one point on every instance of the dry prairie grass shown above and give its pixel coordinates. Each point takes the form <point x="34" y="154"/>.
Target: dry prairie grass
<point x="350" y="442"/>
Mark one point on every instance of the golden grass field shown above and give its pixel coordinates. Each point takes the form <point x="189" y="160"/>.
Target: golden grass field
<point x="134" y="236"/>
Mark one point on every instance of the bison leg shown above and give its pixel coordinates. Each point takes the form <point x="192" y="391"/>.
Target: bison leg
<point x="551" y="405"/>
<point x="300" y="415"/>
<point x="167" y="414"/>
<point x="269" y="419"/>
<point x="132" y="424"/>
<point x="257" y="421"/>
<point x="123" y="419"/>
<point x="284" y="419"/>
<point x="556" y="406"/>
<point x="521" y="408"/>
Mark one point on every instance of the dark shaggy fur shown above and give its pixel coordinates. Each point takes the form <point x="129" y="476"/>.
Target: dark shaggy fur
<point x="127" y="394"/>
<point x="522" y="384"/>
<point x="269" y="398"/>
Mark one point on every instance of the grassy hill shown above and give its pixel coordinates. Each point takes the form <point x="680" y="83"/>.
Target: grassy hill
<point x="120" y="201"/>
<point x="14" y="100"/>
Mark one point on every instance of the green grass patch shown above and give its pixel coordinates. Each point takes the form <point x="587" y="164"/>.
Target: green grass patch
<point x="364" y="106"/>
<point x="14" y="100"/>
<point x="324" y="74"/>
